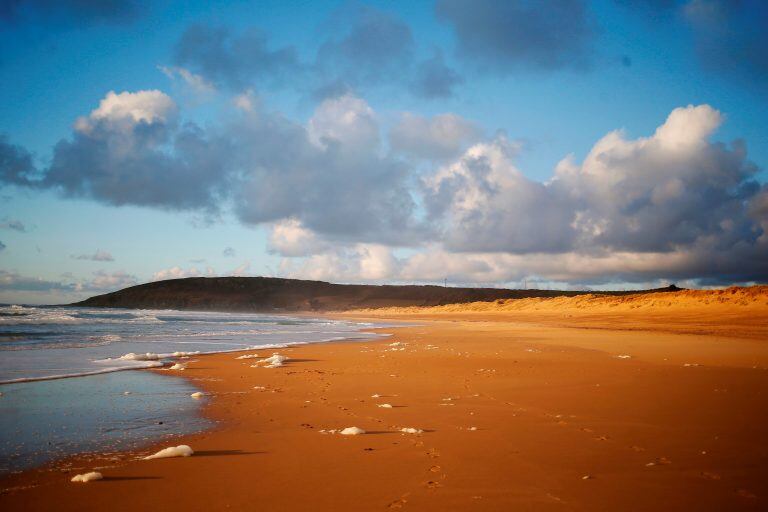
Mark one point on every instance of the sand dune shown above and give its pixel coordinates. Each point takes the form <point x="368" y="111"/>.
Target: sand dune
<point x="735" y="311"/>
<point x="717" y="300"/>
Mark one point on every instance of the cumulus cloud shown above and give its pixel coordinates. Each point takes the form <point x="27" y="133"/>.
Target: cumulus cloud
<point x="179" y="273"/>
<point x="99" y="255"/>
<point x="442" y="136"/>
<point x="347" y="121"/>
<point x="132" y="150"/>
<point x="2" y="246"/>
<point x="366" y="262"/>
<point x="658" y="193"/>
<point x="338" y="200"/>
<point x="290" y="238"/>
<point x="107" y="281"/>
<point x="505" y="36"/>
<point x="350" y="189"/>
<point x="486" y="204"/>
<point x="672" y="205"/>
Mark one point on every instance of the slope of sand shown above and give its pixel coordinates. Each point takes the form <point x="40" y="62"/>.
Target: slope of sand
<point x="734" y="311"/>
<point x="518" y="413"/>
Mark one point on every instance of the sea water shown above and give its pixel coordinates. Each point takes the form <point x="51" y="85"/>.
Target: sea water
<point x="64" y="391"/>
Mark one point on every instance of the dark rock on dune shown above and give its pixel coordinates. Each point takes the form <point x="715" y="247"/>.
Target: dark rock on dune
<point x="267" y="294"/>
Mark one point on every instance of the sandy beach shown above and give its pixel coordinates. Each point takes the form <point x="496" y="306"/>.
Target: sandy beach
<point x="538" y="404"/>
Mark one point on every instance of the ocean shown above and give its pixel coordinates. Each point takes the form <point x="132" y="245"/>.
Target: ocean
<point x="63" y="386"/>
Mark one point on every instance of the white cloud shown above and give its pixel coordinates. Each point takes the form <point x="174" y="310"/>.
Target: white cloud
<point x="196" y="82"/>
<point x="366" y="262"/>
<point x="180" y="273"/>
<point x="346" y="119"/>
<point x="673" y="205"/>
<point x="107" y="281"/>
<point x="290" y="238"/>
<point x="130" y="108"/>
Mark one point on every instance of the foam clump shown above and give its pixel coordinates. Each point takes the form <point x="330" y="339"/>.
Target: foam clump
<point x="274" y="361"/>
<point x="87" y="477"/>
<point x="411" y="430"/>
<point x="384" y="406"/>
<point x="185" y="354"/>
<point x="248" y="356"/>
<point x="624" y="356"/>
<point x="149" y="356"/>
<point x="197" y="394"/>
<point x="178" y="366"/>
<point x="352" y="431"/>
<point x="174" y="451"/>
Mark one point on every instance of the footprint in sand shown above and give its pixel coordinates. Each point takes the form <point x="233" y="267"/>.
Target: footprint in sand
<point x="435" y="469"/>
<point x="398" y="503"/>
<point x="432" y="453"/>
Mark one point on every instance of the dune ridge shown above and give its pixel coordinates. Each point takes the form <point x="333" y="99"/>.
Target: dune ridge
<point x="732" y="297"/>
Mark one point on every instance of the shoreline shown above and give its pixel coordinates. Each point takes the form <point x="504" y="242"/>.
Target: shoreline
<point x="550" y="406"/>
<point x="110" y="385"/>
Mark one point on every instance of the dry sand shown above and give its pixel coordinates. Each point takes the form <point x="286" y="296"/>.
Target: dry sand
<point x="526" y="405"/>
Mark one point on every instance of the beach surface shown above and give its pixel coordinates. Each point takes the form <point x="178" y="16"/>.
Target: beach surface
<point x="586" y="403"/>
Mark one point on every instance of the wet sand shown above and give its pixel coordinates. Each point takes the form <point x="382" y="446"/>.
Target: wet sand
<point x="532" y="411"/>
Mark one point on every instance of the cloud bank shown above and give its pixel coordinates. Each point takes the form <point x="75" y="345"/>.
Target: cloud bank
<point x="343" y="200"/>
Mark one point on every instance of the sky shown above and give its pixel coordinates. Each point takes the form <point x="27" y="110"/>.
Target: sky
<point x="607" y="144"/>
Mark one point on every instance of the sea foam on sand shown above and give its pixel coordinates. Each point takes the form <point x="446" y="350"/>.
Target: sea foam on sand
<point x="411" y="430"/>
<point x="197" y="394"/>
<point x="274" y="361"/>
<point x="174" y="451"/>
<point x="352" y="431"/>
<point x="149" y="356"/>
<point x="87" y="477"/>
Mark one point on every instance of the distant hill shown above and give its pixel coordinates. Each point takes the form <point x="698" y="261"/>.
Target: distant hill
<point x="268" y="294"/>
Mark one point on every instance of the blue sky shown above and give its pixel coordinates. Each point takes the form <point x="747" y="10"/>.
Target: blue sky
<point x="518" y="86"/>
